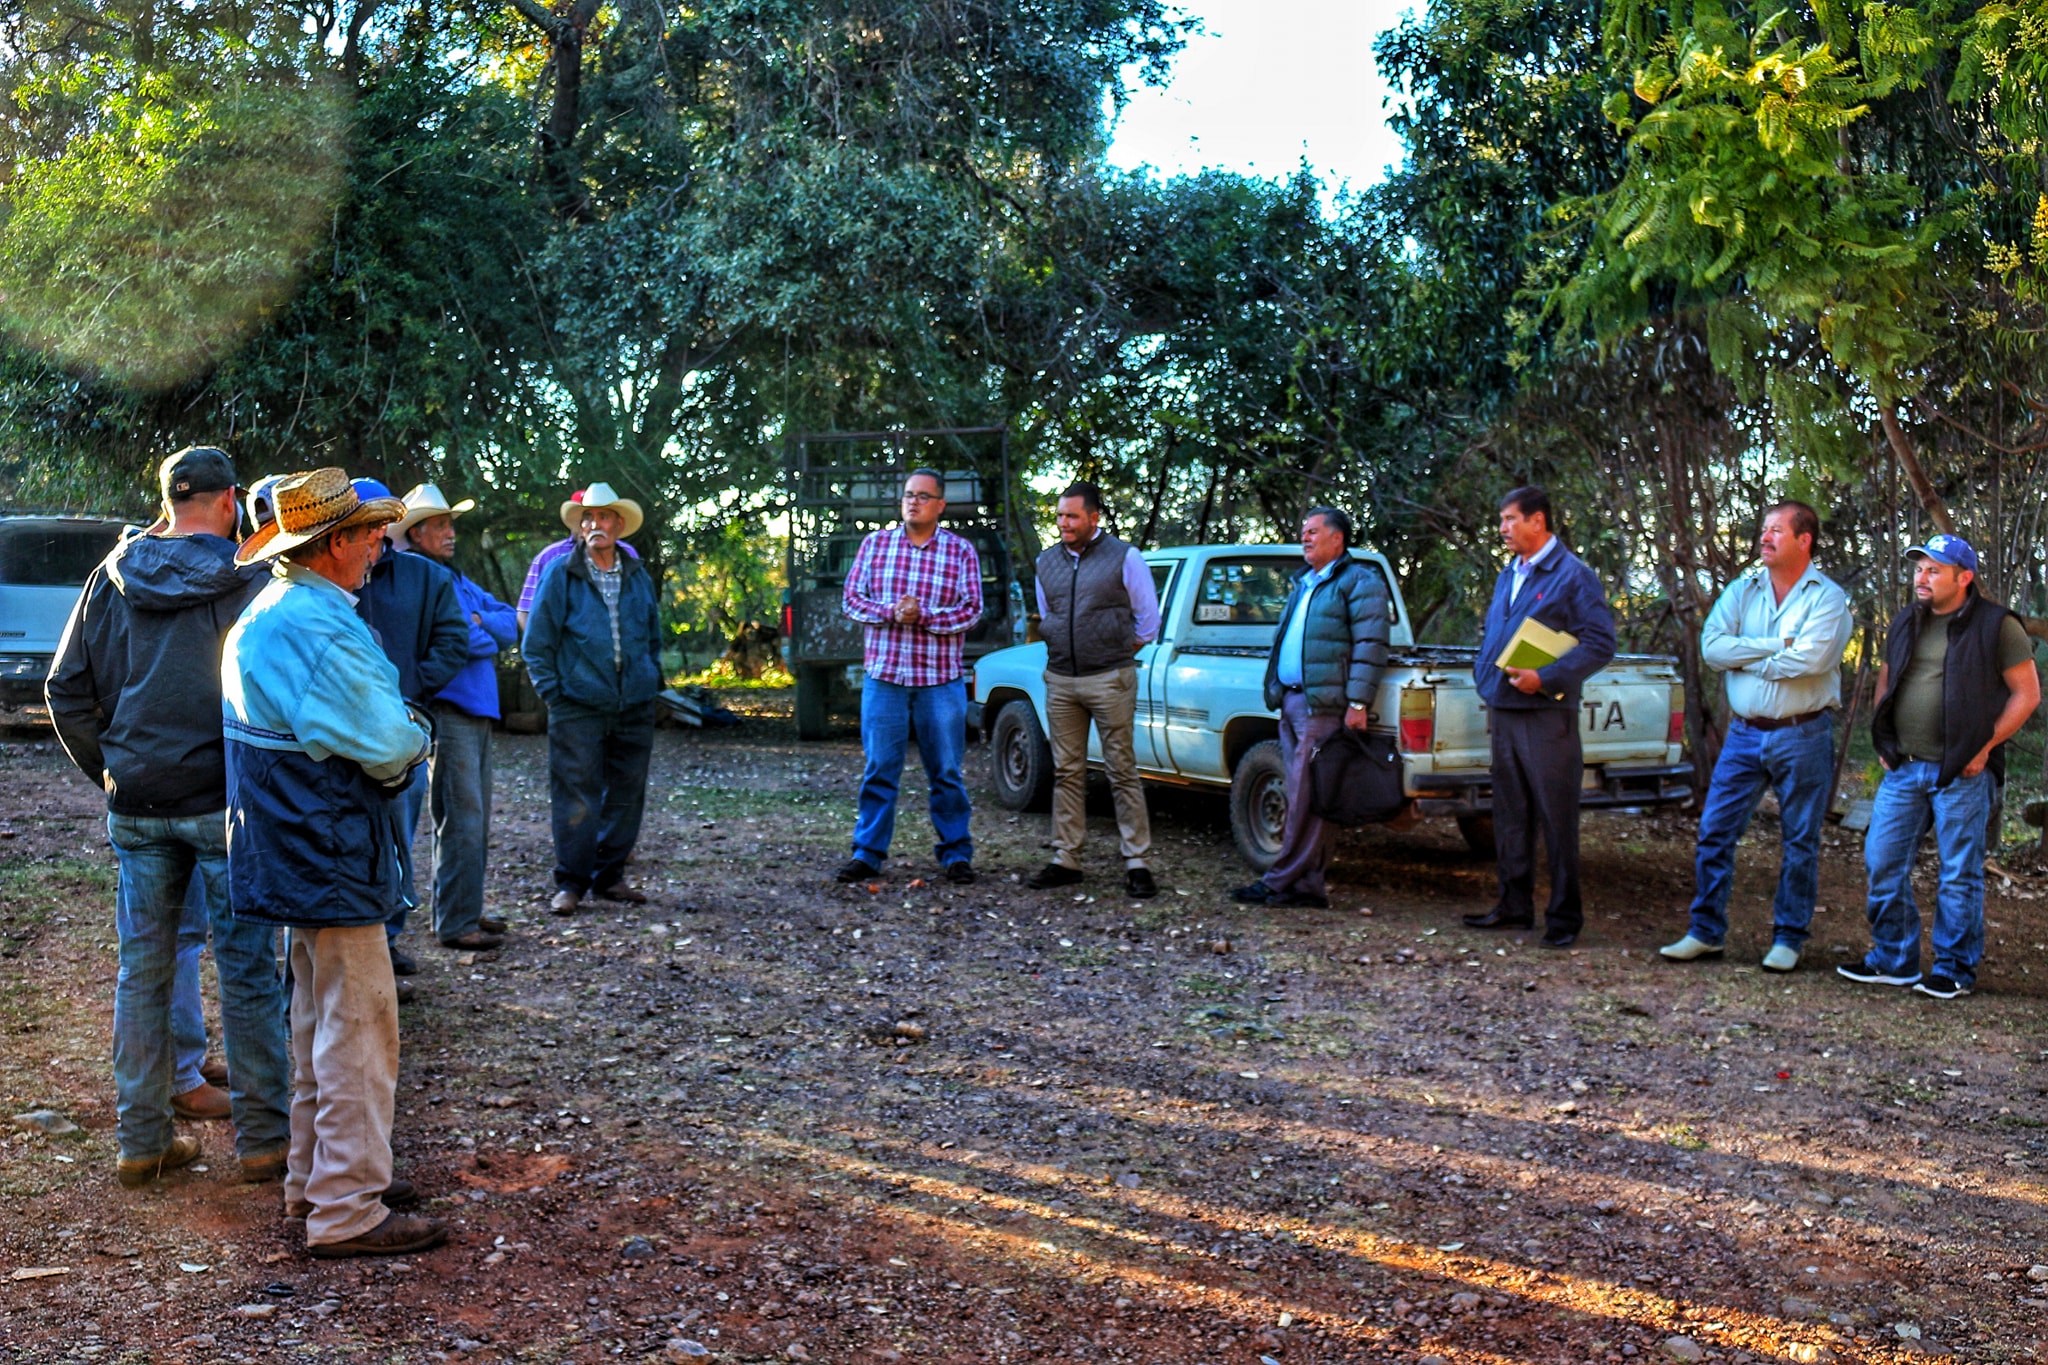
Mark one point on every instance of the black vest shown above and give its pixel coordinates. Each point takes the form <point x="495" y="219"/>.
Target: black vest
<point x="1973" y="689"/>
<point x="1089" y="625"/>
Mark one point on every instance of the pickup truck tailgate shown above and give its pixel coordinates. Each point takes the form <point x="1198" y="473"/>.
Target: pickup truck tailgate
<point x="1624" y="719"/>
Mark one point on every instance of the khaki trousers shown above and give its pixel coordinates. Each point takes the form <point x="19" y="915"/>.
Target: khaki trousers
<point x="345" y="1086"/>
<point x="1110" y="700"/>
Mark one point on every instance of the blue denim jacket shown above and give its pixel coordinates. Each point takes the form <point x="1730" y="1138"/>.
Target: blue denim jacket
<point x="315" y="730"/>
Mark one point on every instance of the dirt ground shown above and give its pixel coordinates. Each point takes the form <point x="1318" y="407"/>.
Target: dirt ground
<point x="770" y="1118"/>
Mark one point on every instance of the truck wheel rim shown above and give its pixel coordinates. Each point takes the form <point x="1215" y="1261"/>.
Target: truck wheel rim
<point x="1269" y="812"/>
<point x="1016" y="763"/>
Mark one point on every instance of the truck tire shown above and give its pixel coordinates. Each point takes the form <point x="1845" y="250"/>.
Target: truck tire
<point x="813" y="702"/>
<point x="1258" y="804"/>
<point x="1021" y="759"/>
<point x="1478" y="832"/>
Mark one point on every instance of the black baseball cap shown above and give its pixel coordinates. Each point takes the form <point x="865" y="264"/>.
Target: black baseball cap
<point x="194" y="470"/>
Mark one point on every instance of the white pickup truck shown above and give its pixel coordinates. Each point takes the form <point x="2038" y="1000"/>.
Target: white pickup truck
<point x="1203" y="720"/>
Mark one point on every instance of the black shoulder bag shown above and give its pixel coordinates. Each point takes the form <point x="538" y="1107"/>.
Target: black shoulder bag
<point x="1354" y="778"/>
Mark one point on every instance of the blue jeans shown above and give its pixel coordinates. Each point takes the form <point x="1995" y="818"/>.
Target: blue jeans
<point x="461" y="805"/>
<point x="889" y="714"/>
<point x="1908" y="805"/>
<point x="410" y="803"/>
<point x="597" y="792"/>
<point x="157" y="860"/>
<point x="1797" y="762"/>
<point x="188" y="1011"/>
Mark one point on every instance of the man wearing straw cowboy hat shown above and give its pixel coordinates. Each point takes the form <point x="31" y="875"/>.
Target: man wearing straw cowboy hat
<point x="320" y="743"/>
<point x="593" y="647"/>
<point x="459" y="784"/>
<point x="549" y="555"/>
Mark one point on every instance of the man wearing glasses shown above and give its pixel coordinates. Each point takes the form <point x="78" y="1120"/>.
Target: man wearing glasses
<point x="917" y="589"/>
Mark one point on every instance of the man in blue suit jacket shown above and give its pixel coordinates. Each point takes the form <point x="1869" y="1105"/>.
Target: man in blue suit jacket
<point x="1533" y="717"/>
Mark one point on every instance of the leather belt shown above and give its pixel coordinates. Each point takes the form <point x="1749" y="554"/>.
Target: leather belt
<point x="1780" y="722"/>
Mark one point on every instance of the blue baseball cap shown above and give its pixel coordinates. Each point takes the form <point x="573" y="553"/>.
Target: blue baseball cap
<point x="367" y="489"/>
<point x="1953" y="551"/>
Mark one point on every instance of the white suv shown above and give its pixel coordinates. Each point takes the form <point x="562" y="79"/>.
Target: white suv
<point x="44" y="561"/>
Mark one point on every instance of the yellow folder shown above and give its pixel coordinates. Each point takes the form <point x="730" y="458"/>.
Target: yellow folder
<point x="1535" y="645"/>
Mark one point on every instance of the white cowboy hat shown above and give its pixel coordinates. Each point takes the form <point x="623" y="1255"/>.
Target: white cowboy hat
<point x="308" y="506"/>
<point x="425" y="501"/>
<point x="601" y="495"/>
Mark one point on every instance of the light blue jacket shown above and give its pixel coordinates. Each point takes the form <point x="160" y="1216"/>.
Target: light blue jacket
<point x="317" y="734"/>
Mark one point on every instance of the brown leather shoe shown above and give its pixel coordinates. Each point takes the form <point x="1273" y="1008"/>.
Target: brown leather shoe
<point x="491" y="924"/>
<point x="398" y="1235"/>
<point x="202" y="1101"/>
<point x="624" y="892"/>
<point x="265" y="1166"/>
<point x="133" y="1175"/>
<point x="564" y="903"/>
<point x="214" y="1071"/>
<point x="475" y="941"/>
<point x="399" y="1194"/>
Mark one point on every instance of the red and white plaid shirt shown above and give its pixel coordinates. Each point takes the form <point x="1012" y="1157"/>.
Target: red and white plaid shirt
<point x="944" y="575"/>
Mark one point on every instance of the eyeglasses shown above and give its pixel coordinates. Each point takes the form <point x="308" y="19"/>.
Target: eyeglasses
<point x="924" y="497"/>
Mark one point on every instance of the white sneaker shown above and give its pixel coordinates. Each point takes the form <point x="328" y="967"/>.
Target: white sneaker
<point x="1782" y="957"/>
<point x="1869" y="976"/>
<point x="1688" y="949"/>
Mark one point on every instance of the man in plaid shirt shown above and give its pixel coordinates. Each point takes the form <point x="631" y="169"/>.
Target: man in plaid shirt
<point x="917" y="589"/>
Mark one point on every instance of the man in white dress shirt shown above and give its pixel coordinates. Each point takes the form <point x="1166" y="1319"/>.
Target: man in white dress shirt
<point x="1778" y="632"/>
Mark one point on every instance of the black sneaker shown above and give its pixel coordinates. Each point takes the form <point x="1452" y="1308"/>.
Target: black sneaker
<point x="1051" y="875"/>
<point x="960" y="873"/>
<point x="1863" y="974"/>
<point x="1941" y="987"/>
<point x="1256" y="893"/>
<point x="856" y="870"/>
<point x="1138" y="882"/>
<point x="402" y="962"/>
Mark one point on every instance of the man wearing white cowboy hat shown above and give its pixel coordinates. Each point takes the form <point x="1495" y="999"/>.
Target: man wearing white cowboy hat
<point x="593" y="647"/>
<point x="320" y="742"/>
<point x="459" y="785"/>
<point x="553" y="552"/>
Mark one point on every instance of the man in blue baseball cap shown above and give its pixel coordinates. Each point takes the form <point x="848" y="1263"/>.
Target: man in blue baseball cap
<point x="411" y="607"/>
<point x="1958" y="681"/>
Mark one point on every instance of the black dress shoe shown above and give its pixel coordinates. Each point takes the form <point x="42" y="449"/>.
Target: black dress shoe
<point x="856" y="870"/>
<point x="402" y="962"/>
<point x="1294" y="900"/>
<point x="1253" y="893"/>
<point x="1498" y="918"/>
<point x="1560" y="938"/>
<point x="1138" y="882"/>
<point x="960" y="873"/>
<point x="1053" y="874"/>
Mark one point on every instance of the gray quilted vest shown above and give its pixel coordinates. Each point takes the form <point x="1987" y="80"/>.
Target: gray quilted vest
<point x="1089" y="626"/>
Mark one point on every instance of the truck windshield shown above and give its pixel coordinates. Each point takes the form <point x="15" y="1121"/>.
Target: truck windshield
<point x="36" y="553"/>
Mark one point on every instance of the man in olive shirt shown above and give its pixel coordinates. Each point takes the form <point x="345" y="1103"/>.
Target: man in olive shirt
<point x="1958" y="681"/>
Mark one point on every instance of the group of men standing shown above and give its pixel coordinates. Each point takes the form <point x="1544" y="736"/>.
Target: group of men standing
<point x="268" y="717"/>
<point x="1958" y="681"/>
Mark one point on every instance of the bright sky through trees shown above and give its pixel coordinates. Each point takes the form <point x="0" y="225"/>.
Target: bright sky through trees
<point x="1268" y="83"/>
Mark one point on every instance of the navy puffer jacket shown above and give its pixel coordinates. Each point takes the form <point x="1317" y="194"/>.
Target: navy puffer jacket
<point x="1343" y="647"/>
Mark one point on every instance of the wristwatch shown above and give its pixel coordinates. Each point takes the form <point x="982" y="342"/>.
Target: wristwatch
<point x="1358" y="706"/>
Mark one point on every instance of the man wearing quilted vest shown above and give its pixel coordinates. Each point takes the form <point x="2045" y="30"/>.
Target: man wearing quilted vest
<point x="1098" y="607"/>
<point x="320" y="746"/>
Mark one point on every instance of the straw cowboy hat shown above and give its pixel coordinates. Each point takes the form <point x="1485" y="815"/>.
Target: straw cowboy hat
<point x="601" y="495"/>
<point x="308" y="506"/>
<point x="426" y="501"/>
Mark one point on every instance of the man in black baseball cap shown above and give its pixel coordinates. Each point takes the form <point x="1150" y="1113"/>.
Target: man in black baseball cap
<point x="135" y="695"/>
<point x="192" y="471"/>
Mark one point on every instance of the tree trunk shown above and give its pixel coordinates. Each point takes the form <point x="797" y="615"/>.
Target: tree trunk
<point x="1909" y="461"/>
